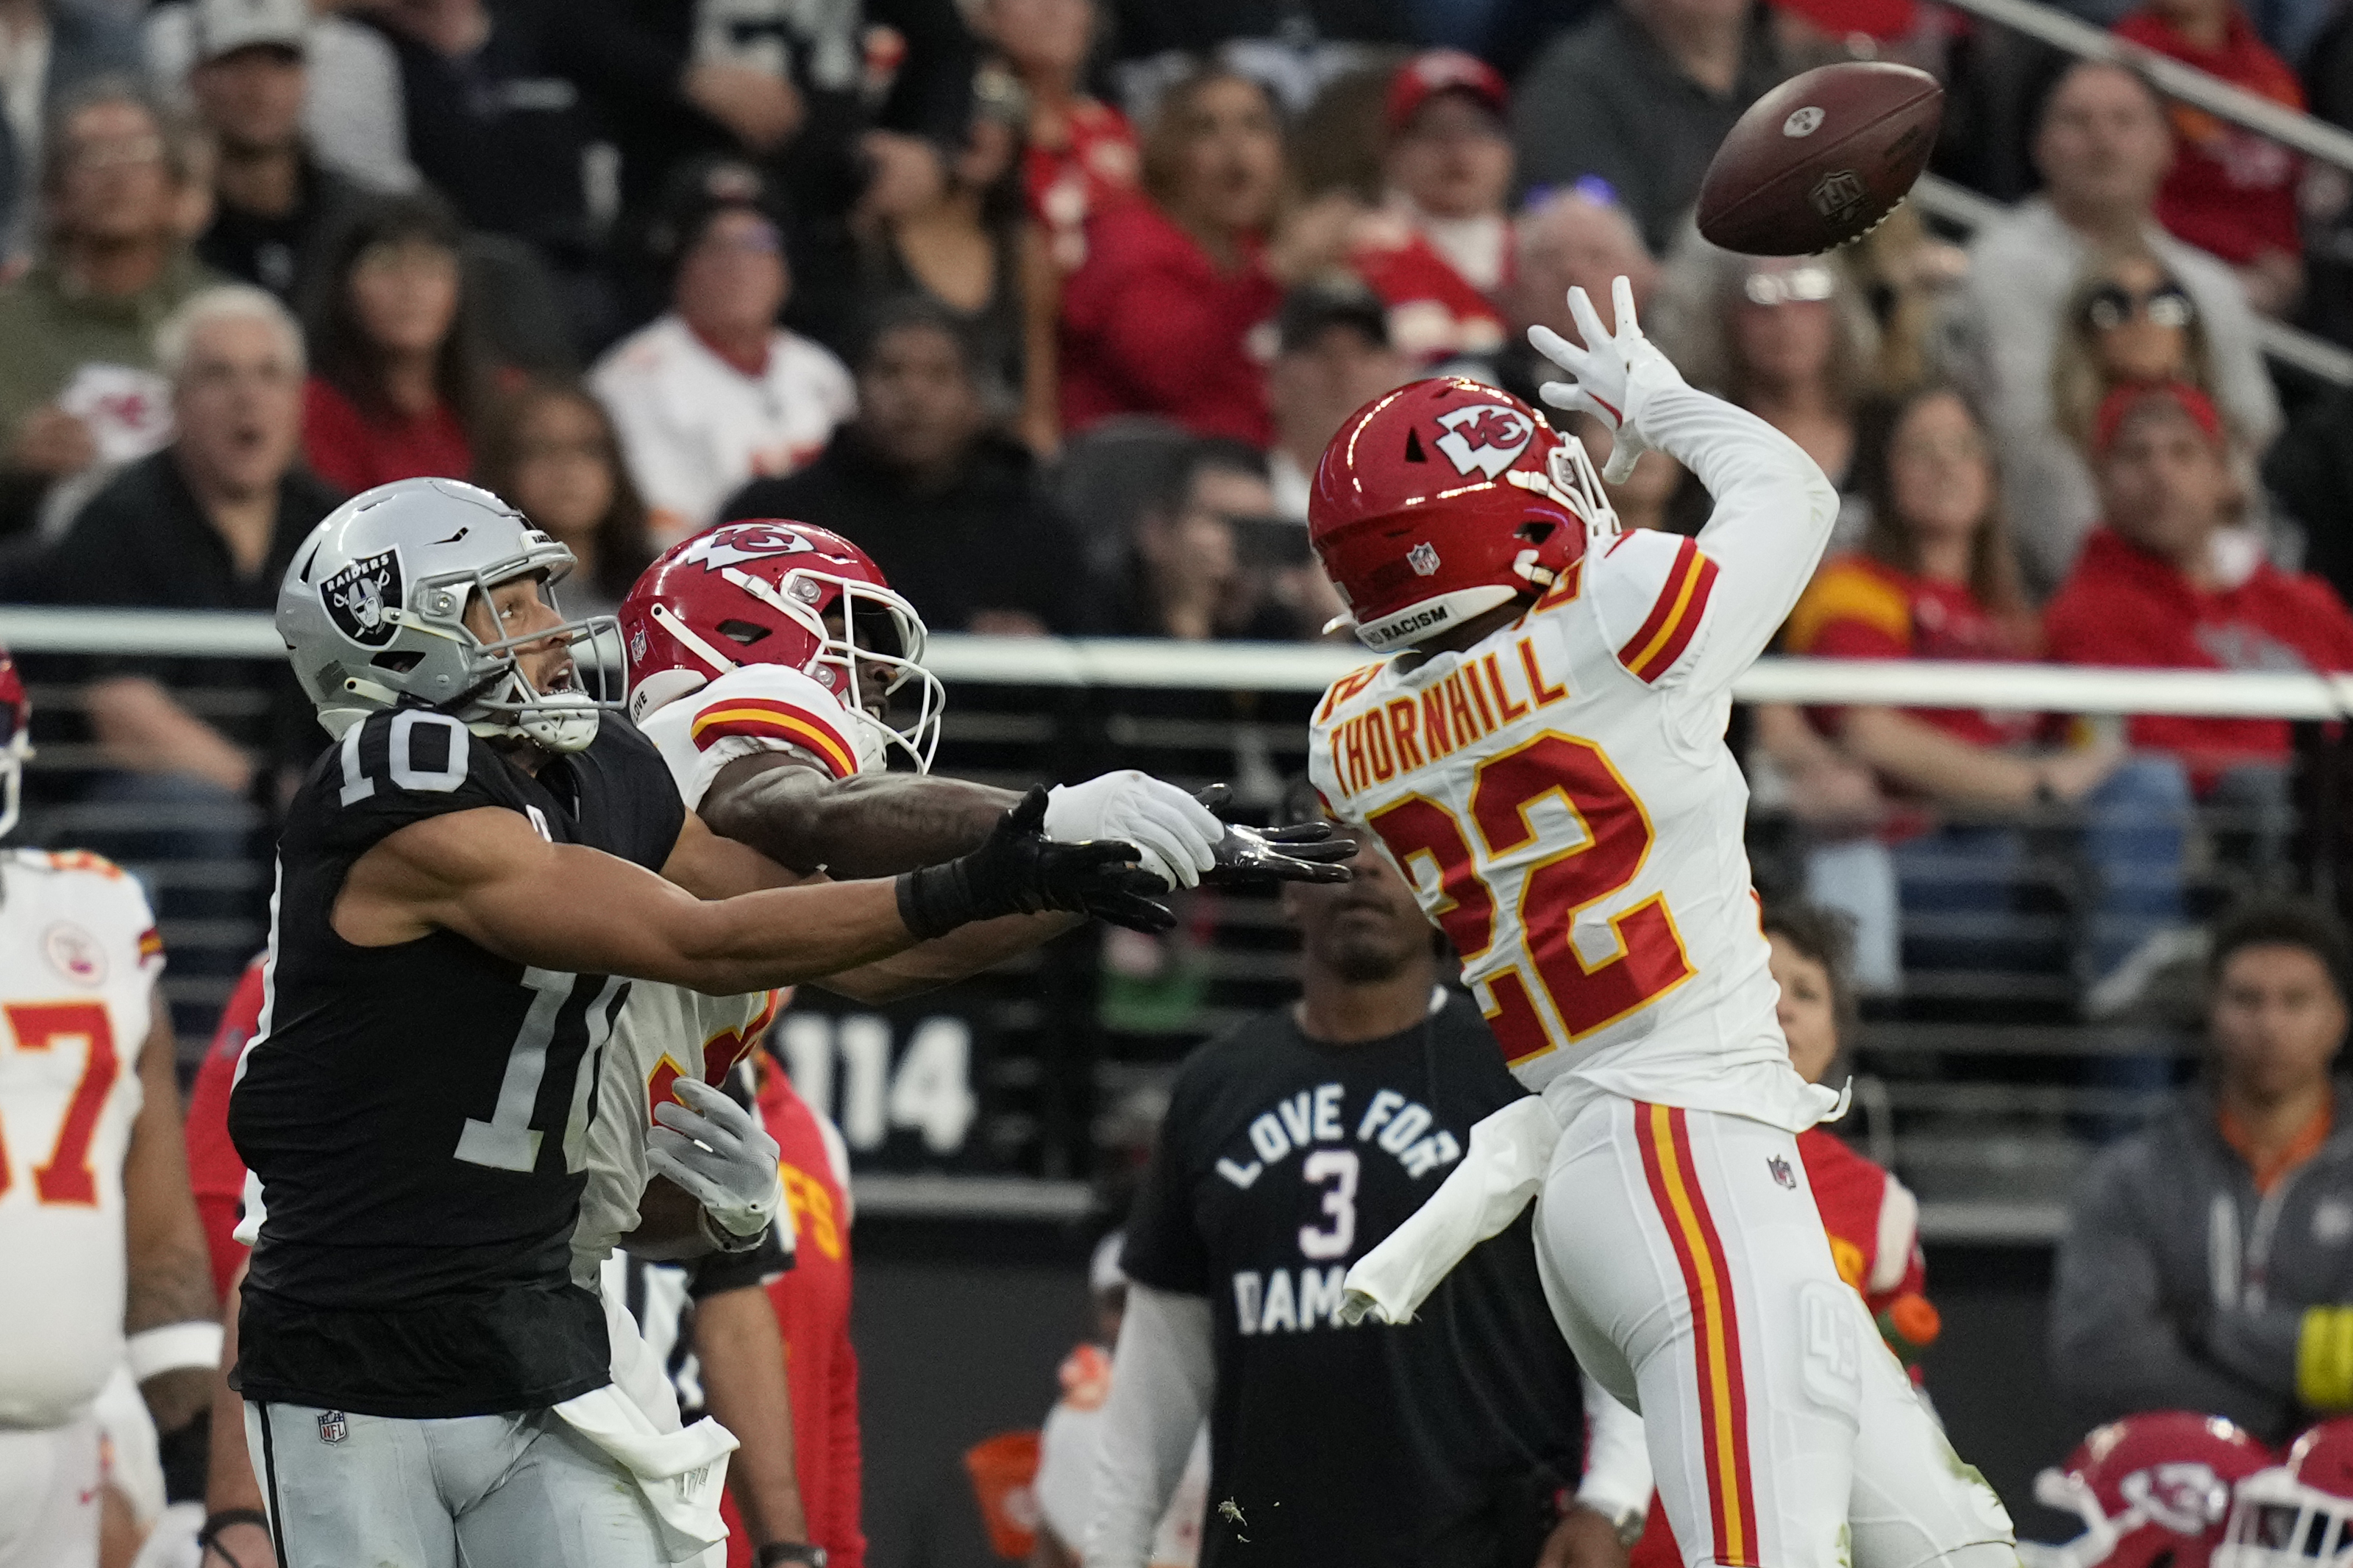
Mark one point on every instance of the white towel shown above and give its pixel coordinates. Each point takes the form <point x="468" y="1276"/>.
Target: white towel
<point x="683" y="1474"/>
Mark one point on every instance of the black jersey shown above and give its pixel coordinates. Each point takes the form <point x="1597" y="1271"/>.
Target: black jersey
<point x="416" y="1112"/>
<point x="1433" y="1444"/>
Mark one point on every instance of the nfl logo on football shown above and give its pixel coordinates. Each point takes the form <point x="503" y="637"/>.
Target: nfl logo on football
<point x="333" y="1427"/>
<point x="1423" y="559"/>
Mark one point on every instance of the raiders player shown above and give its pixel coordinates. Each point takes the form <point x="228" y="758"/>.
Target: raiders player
<point x="465" y="884"/>
<point x="1291" y="1146"/>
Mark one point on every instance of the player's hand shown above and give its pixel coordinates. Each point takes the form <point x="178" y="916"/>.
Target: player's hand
<point x="1614" y="373"/>
<point x="1582" y="1538"/>
<point x="1019" y="871"/>
<point x="717" y="1152"/>
<point x="1255" y="856"/>
<point x="1175" y="837"/>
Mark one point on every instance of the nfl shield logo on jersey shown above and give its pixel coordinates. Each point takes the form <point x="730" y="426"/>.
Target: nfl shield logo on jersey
<point x="333" y="1427"/>
<point x="1781" y="1172"/>
<point x="1423" y="559"/>
<point x="363" y="598"/>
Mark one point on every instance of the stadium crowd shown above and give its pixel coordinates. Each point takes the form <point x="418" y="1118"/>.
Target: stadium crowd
<point x="1051" y="306"/>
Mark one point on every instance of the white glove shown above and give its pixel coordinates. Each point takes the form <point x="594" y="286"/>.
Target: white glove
<point x="1175" y="835"/>
<point x="719" y="1154"/>
<point x="1615" y="375"/>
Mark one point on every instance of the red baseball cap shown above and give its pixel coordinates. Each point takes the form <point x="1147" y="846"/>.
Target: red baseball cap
<point x="1434" y="71"/>
<point x="2122" y="400"/>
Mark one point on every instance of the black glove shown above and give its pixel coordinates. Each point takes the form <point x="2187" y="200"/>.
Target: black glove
<point x="1019" y="871"/>
<point x="1256" y="856"/>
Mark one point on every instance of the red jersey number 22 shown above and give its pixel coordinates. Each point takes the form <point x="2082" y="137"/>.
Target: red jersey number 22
<point x="1649" y="961"/>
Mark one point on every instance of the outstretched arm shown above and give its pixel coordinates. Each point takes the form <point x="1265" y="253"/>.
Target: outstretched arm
<point x="869" y="825"/>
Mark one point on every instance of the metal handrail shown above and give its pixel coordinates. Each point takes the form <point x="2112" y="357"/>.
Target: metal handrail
<point x="1966" y="210"/>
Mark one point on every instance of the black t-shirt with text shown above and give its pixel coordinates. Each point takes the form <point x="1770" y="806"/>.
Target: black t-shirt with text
<point x="416" y="1112"/>
<point x="1282" y="1162"/>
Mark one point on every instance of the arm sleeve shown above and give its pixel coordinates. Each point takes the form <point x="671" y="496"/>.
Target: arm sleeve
<point x="2113" y="1350"/>
<point x="1617" y="1460"/>
<point x="1772" y="519"/>
<point x="1162" y="1375"/>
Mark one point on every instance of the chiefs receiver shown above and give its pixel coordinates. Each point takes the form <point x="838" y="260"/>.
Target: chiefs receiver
<point x="2153" y="1491"/>
<point x="1542" y="752"/>
<point x="96" y="1220"/>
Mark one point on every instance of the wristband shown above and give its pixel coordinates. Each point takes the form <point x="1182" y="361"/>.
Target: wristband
<point x="722" y="1239"/>
<point x="173" y="1347"/>
<point x="799" y="1552"/>
<point x="935" y="901"/>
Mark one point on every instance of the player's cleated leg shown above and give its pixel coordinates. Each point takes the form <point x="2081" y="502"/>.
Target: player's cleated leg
<point x="1916" y="1503"/>
<point x="1695" y="1268"/>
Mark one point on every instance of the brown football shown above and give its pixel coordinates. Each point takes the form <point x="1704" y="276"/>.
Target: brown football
<point x="1820" y="159"/>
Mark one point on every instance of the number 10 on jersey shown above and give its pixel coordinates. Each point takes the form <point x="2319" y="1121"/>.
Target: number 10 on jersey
<point x="1555" y="888"/>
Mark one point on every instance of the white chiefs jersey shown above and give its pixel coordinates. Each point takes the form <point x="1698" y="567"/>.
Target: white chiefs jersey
<point x="665" y="1032"/>
<point x="79" y="958"/>
<point x="1561" y="797"/>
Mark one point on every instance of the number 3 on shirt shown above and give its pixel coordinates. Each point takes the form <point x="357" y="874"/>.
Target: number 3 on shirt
<point x="1649" y="961"/>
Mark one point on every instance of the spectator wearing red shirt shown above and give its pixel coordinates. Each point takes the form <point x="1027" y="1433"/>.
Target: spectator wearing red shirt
<point x="1935" y="579"/>
<point x="1439" y="250"/>
<point x="394" y="386"/>
<point x="2162" y="585"/>
<point x="2230" y="191"/>
<point x="1158" y="317"/>
<point x="1081" y="151"/>
<point x="812" y="1304"/>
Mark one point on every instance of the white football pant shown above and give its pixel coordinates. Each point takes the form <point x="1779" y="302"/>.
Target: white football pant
<point x="1686" y="1264"/>
<point x="49" y="1482"/>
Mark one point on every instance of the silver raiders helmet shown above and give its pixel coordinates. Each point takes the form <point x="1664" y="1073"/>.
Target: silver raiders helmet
<point x="372" y="611"/>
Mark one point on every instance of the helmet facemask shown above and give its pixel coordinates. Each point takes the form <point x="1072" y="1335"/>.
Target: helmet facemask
<point x="869" y="651"/>
<point x="2281" y="1522"/>
<point x="499" y="698"/>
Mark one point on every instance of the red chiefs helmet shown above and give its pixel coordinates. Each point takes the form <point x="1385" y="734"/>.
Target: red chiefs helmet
<point x="16" y="741"/>
<point x="2153" y="1490"/>
<point x="1444" y="498"/>
<point x="2299" y="1514"/>
<point x="777" y="592"/>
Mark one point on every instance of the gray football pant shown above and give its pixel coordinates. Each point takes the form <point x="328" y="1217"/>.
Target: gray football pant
<point x="474" y="1492"/>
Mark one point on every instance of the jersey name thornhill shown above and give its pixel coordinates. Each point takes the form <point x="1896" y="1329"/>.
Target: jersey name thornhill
<point x="1466" y="705"/>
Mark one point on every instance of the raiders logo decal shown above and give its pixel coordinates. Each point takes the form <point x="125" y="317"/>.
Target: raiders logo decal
<point x="752" y="542"/>
<point x="75" y="953"/>
<point x="1485" y="437"/>
<point x="363" y="599"/>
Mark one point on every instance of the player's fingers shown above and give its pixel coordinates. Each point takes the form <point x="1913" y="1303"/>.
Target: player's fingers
<point x="1135" y="912"/>
<point x="692" y="1124"/>
<point x="1030" y="814"/>
<point x="1587" y="320"/>
<point x="1623" y="452"/>
<point x="712" y="1100"/>
<point x="1297" y="833"/>
<point x="1621" y="302"/>
<point x="1574" y="399"/>
<point x="1298" y="868"/>
<point x="1211" y="798"/>
<point x="1558" y="349"/>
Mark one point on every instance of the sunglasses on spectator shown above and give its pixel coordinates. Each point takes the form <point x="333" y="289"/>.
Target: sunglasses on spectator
<point x="2111" y="305"/>
<point x="1797" y="286"/>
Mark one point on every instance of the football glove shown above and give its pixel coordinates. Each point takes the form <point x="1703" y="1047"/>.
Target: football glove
<point x="1254" y="857"/>
<point x="1615" y="374"/>
<point x="717" y="1152"/>
<point x="1176" y="836"/>
<point x="1018" y="870"/>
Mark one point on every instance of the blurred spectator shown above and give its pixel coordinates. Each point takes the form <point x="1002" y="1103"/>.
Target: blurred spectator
<point x="2231" y="192"/>
<point x="715" y="392"/>
<point x="1333" y="356"/>
<point x="2203" y="1266"/>
<point x="1791" y="341"/>
<point x="2102" y="146"/>
<point x="1574" y="237"/>
<point x="1156" y="320"/>
<point x="948" y="508"/>
<point x="549" y="448"/>
<point x="77" y="350"/>
<point x="1186" y="576"/>
<point x="1079" y="153"/>
<point x="1438" y="251"/>
<point x="1909" y="277"/>
<point x="49" y="51"/>
<point x="396" y="380"/>
<point x="353" y="118"/>
<point x="1933" y="579"/>
<point x="274" y="207"/>
<point x="1640" y="96"/>
<point x="1070" y="1444"/>
<point x="2125" y="319"/>
<point x="2161" y="585"/>
<point x="959" y="242"/>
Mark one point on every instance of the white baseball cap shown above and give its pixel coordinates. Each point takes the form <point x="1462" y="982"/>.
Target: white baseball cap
<point x="224" y="26"/>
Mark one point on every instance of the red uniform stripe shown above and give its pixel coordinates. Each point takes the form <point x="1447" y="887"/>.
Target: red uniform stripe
<point x="774" y="722"/>
<point x="1665" y="1140"/>
<point x="1661" y="607"/>
<point x="1687" y="625"/>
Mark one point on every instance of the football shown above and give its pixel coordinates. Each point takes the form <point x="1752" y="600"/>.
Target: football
<point x="1820" y="159"/>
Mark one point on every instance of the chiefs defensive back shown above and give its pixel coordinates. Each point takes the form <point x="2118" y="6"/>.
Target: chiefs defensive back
<point x="1543" y="754"/>
<point x="96" y="1219"/>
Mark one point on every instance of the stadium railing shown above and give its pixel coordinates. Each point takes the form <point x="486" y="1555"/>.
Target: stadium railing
<point x="1984" y="1086"/>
